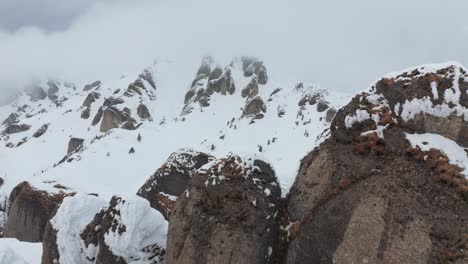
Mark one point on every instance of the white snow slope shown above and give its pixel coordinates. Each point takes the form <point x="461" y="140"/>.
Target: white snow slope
<point x="105" y="166"/>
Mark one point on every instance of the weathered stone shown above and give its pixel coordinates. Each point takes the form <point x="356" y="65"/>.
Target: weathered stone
<point x="148" y="76"/>
<point x="143" y="111"/>
<point x="97" y="118"/>
<point x="254" y="107"/>
<point x="91" y="86"/>
<point x="30" y="209"/>
<point x="109" y="222"/>
<point x="330" y="114"/>
<point x="17" y="128"/>
<point x="227" y="215"/>
<point x="74" y="144"/>
<point x="251" y="90"/>
<point x="170" y="181"/>
<point x="41" y="131"/>
<point x="90" y="98"/>
<point x="111" y="119"/>
<point x="53" y="90"/>
<point x="113" y="101"/>
<point x="322" y="106"/>
<point x="365" y="198"/>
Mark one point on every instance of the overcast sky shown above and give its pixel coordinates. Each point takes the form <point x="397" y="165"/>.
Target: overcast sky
<point x="338" y="44"/>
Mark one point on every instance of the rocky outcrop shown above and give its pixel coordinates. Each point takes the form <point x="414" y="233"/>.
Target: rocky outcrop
<point x="62" y="242"/>
<point x="41" y="131"/>
<point x="74" y="144"/>
<point x="97" y="118"/>
<point x="113" y="101"/>
<point x="209" y="79"/>
<point x="53" y="90"/>
<point x="92" y="86"/>
<point x="128" y="230"/>
<point x="114" y="118"/>
<point x="139" y="87"/>
<point x="143" y="111"/>
<point x="86" y="106"/>
<point x="253" y="67"/>
<point x="30" y="209"/>
<point x="251" y="90"/>
<point x="366" y="195"/>
<point x="227" y="215"/>
<point x="17" y="128"/>
<point x="170" y="181"/>
<point x="254" y="107"/>
<point x="90" y="98"/>
<point x="111" y="119"/>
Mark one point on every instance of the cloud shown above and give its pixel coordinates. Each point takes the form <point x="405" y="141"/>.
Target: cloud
<point x="339" y="44"/>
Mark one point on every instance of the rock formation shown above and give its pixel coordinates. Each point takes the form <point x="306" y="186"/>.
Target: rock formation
<point x="227" y="215"/>
<point x="368" y="196"/>
<point x="171" y="180"/>
<point x="30" y="209"/>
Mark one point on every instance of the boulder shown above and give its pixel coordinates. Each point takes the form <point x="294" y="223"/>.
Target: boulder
<point x="143" y="111"/>
<point x="366" y="195"/>
<point x="331" y="112"/>
<point x="90" y="98"/>
<point x="91" y="86"/>
<point x="322" y="106"/>
<point x="228" y="215"/>
<point x="30" y="209"/>
<point x="113" y="101"/>
<point x="170" y="181"/>
<point x="97" y="118"/>
<point x="17" y="128"/>
<point x="41" y="131"/>
<point x="114" y="118"/>
<point x="111" y="119"/>
<point x="74" y="144"/>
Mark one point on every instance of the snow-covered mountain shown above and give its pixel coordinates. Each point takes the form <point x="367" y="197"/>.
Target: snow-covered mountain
<point x="291" y="122"/>
<point x="171" y="130"/>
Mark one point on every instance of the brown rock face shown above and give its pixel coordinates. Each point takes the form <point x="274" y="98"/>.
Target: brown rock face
<point x="30" y="210"/>
<point x="365" y="198"/>
<point x="226" y="216"/>
<point x="171" y="180"/>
